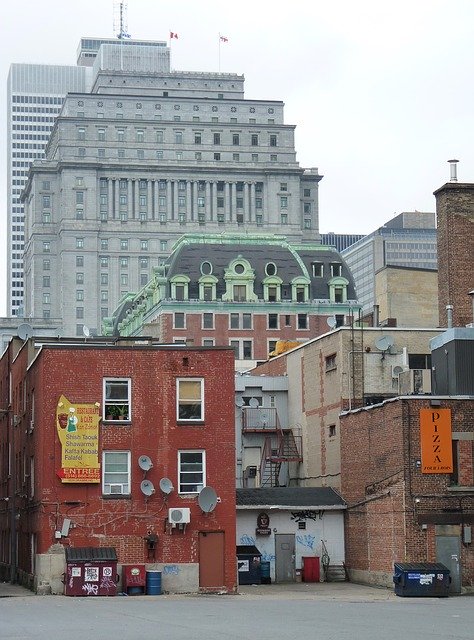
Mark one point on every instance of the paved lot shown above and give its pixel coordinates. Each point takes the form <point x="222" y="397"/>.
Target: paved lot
<point x="339" y="611"/>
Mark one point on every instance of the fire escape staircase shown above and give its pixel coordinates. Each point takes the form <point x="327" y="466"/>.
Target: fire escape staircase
<point x="280" y="444"/>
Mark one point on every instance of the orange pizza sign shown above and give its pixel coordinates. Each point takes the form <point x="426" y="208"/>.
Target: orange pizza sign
<point x="436" y="441"/>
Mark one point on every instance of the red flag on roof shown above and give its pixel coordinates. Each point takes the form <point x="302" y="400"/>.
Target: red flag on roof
<point x="173" y="35"/>
<point x="224" y="39"/>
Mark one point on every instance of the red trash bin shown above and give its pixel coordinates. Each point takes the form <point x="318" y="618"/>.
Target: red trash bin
<point x="310" y="569"/>
<point x="90" y="571"/>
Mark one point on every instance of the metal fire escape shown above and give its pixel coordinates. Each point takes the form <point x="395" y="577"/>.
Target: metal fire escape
<point x="280" y="444"/>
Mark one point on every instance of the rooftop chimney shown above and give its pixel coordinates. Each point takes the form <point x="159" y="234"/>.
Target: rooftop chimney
<point x="449" y="314"/>
<point x="454" y="170"/>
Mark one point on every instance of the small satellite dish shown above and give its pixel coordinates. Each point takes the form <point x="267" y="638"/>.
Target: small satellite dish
<point x="145" y="463"/>
<point x="86" y="331"/>
<point x="239" y="402"/>
<point x="166" y="485"/>
<point x="331" y="321"/>
<point x="25" y="331"/>
<point x="384" y="343"/>
<point x="253" y="402"/>
<point x="147" y="488"/>
<point x="207" y="499"/>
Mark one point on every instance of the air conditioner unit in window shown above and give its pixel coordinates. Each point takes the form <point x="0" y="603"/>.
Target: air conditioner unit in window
<point x="181" y="515"/>
<point x="116" y="489"/>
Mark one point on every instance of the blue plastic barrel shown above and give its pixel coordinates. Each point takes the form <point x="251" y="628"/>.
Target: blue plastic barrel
<point x="265" y="572"/>
<point x="153" y="583"/>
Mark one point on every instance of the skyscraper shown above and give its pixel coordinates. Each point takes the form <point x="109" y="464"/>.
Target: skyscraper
<point x="142" y="157"/>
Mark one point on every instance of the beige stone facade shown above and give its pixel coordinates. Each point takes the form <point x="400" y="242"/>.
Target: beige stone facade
<point x="410" y="296"/>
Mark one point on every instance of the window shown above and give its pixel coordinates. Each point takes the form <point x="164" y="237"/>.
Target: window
<point x="190" y="399"/>
<point x="104" y="278"/>
<point x="254" y="140"/>
<point x="124" y="244"/>
<point x="307" y="207"/>
<point x="140" y="135"/>
<point x="273" y="157"/>
<point x="80" y="313"/>
<point x="235" y="139"/>
<point x="208" y="321"/>
<point x="46" y="202"/>
<point x="254" y="157"/>
<point x="46" y="217"/>
<point x="46" y="265"/>
<point x="273" y="140"/>
<point x="179" y="320"/>
<point x="144" y="245"/>
<point x="101" y="135"/>
<point x="208" y="342"/>
<point x="163" y="245"/>
<point x="273" y="320"/>
<point x="104" y="261"/>
<point x="178" y="137"/>
<point x="236" y="157"/>
<point x="117" y="394"/>
<point x="331" y="362"/>
<point x="191" y="471"/>
<point x="283" y="186"/>
<point x="46" y="298"/>
<point x="283" y="202"/>
<point x="217" y="138"/>
<point x="307" y="193"/>
<point x="336" y="270"/>
<point x="120" y="135"/>
<point x="79" y="197"/>
<point x="207" y="292"/>
<point x="140" y="154"/>
<point x="104" y="244"/>
<point x="81" y="133"/>
<point x="46" y="281"/>
<point x="79" y="243"/>
<point x="240" y="293"/>
<point x="318" y="269"/>
<point x="242" y="349"/>
<point x="302" y="321"/>
<point x="217" y="156"/>
<point x="79" y="278"/>
<point x="160" y="136"/>
<point x="332" y="430"/>
<point x="124" y="263"/>
<point x="116" y="472"/>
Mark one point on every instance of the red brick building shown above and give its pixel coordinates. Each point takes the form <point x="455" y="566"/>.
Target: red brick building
<point x="88" y="431"/>
<point x="400" y="508"/>
<point x="455" y="214"/>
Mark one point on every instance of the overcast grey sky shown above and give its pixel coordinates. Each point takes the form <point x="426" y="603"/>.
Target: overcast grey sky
<point x="381" y="92"/>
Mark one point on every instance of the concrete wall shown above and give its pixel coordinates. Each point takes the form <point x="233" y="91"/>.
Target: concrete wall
<point x="327" y="526"/>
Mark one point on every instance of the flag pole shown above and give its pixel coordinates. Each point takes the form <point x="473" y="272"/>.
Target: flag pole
<point x="219" y="52"/>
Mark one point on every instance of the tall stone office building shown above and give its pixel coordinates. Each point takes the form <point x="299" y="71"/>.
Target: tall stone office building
<point x="35" y="93"/>
<point x="146" y="155"/>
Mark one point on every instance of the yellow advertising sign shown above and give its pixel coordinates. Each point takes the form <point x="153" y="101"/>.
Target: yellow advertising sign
<point x="436" y="441"/>
<point x="78" y="430"/>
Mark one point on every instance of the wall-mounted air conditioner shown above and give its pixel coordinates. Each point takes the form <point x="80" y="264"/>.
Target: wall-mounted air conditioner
<point x="181" y="515"/>
<point x="397" y="369"/>
<point x="414" y="381"/>
<point x="115" y="489"/>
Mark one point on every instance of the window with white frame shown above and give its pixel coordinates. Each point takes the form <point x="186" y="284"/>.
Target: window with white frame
<point x="191" y="471"/>
<point x="190" y="399"/>
<point x="208" y="320"/>
<point x="116" y="473"/>
<point x="117" y="399"/>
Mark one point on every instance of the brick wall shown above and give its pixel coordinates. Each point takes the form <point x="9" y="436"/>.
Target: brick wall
<point x="389" y="499"/>
<point x="455" y="213"/>
<point x="124" y="521"/>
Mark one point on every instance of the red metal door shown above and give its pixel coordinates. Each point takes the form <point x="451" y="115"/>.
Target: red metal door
<point x="311" y="569"/>
<point x="211" y="559"/>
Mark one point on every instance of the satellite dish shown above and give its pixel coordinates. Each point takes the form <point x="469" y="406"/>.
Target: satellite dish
<point x="331" y="321"/>
<point x="384" y="343"/>
<point x="86" y="331"/>
<point x="25" y="331"/>
<point x="207" y="499"/>
<point x="147" y="488"/>
<point x="166" y="485"/>
<point x="145" y="463"/>
<point x="239" y="402"/>
<point x="253" y="402"/>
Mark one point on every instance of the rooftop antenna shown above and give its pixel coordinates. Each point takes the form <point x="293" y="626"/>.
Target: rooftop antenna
<point x="120" y="20"/>
<point x="120" y="26"/>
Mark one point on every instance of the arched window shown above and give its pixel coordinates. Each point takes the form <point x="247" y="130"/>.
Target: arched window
<point x="239" y="280"/>
<point x="300" y="289"/>
<point x="207" y="287"/>
<point x="338" y="289"/>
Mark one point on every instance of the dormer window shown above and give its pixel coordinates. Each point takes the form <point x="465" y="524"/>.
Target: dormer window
<point x="179" y="287"/>
<point x="336" y="269"/>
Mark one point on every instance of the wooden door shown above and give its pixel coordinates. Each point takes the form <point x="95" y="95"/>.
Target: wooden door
<point x="211" y="559"/>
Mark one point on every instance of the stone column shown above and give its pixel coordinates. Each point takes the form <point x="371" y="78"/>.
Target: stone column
<point x="169" y="208"/>
<point x="252" y="202"/>
<point x="149" y="199"/>
<point x="209" y="214"/>
<point x="227" y="201"/>
<point x="110" y="198"/>
<point x="233" y="200"/>
<point x="136" y="203"/>
<point x="175" y="200"/>
<point x="214" y="200"/>
<point x="117" y="200"/>
<point x="246" y="210"/>
<point x="189" y="200"/>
